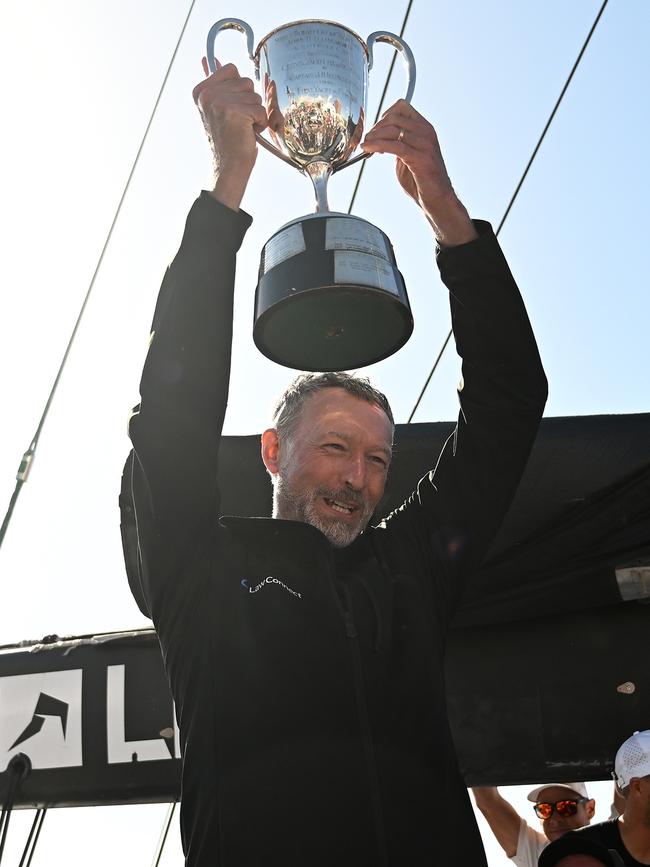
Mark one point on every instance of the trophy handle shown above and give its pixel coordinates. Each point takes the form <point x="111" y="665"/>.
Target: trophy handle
<point x="243" y="27"/>
<point x="400" y="45"/>
<point x="409" y="60"/>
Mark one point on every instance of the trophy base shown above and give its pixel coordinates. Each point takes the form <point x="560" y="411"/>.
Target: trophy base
<point x="329" y="295"/>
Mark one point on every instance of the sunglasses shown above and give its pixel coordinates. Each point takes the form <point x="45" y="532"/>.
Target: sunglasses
<point x="568" y="807"/>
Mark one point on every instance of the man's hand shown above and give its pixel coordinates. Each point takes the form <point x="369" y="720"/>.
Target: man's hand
<point x="421" y="171"/>
<point x="232" y="113"/>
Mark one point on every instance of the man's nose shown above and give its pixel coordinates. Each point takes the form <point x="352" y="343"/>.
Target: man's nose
<point x="355" y="472"/>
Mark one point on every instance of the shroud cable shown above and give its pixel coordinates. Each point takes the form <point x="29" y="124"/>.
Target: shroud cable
<point x="517" y="189"/>
<point x="28" y="457"/>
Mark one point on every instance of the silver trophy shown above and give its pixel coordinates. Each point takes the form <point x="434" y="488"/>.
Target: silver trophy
<point x="329" y="294"/>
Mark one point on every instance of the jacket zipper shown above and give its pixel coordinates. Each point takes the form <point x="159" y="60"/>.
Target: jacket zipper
<point x="364" y="722"/>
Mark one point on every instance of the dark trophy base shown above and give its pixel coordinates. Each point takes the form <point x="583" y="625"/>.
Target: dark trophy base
<point x="329" y="295"/>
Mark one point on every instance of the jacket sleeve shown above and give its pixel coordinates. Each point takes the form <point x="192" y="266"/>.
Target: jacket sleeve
<point x="184" y="390"/>
<point x="460" y="504"/>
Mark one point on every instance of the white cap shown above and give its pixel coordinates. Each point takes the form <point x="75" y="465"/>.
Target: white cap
<point x="632" y="759"/>
<point x="574" y="788"/>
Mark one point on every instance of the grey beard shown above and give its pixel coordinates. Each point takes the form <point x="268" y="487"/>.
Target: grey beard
<point x="338" y="534"/>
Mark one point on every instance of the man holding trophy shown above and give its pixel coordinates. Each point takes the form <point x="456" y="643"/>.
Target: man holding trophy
<point x="305" y="651"/>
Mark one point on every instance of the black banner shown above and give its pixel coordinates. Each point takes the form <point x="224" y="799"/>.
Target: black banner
<point x="96" y="719"/>
<point x="542" y="701"/>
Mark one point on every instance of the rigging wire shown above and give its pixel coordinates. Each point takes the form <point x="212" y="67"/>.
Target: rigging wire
<point x="381" y="104"/>
<point x="163" y="834"/>
<point x="18" y="769"/>
<point x="32" y="840"/>
<point x="28" y="457"/>
<point x="517" y="189"/>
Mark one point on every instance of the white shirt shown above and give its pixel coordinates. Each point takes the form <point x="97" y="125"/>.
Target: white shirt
<point x="529" y="846"/>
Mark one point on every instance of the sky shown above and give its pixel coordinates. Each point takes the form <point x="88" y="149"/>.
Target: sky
<point x="79" y="82"/>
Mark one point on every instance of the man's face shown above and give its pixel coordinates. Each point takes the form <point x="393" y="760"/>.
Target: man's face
<point x="333" y="471"/>
<point x="557" y="825"/>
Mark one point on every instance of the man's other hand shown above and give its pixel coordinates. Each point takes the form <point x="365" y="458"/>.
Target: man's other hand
<point x="405" y="133"/>
<point x="232" y="113"/>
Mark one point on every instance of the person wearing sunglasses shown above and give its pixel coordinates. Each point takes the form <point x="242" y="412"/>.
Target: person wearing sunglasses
<point x="560" y="807"/>
<point x="629" y="834"/>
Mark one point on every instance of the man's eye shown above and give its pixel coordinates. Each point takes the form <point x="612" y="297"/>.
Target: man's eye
<point x="336" y="446"/>
<point x="377" y="459"/>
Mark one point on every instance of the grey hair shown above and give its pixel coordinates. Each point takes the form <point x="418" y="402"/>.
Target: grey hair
<point x="289" y="407"/>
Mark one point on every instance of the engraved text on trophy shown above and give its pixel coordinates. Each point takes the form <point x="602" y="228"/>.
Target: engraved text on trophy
<point x="315" y="77"/>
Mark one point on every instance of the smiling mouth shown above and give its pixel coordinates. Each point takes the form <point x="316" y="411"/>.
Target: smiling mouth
<point x="342" y="508"/>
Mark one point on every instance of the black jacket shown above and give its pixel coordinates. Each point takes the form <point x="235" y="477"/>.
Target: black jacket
<point x="308" y="681"/>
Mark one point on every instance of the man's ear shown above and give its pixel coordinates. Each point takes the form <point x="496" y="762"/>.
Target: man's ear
<point x="271" y="450"/>
<point x="590" y="808"/>
<point x="635" y="785"/>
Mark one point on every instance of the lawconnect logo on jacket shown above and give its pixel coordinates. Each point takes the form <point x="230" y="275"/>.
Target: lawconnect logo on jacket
<point x="268" y="580"/>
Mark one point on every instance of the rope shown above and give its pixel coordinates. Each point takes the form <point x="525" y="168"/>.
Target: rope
<point x="32" y="840"/>
<point x="18" y="769"/>
<point x="163" y="834"/>
<point x="432" y="371"/>
<point x="381" y="103"/>
<point x="25" y="464"/>
<point x="519" y="186"/>
<point x="6" y="816"/>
